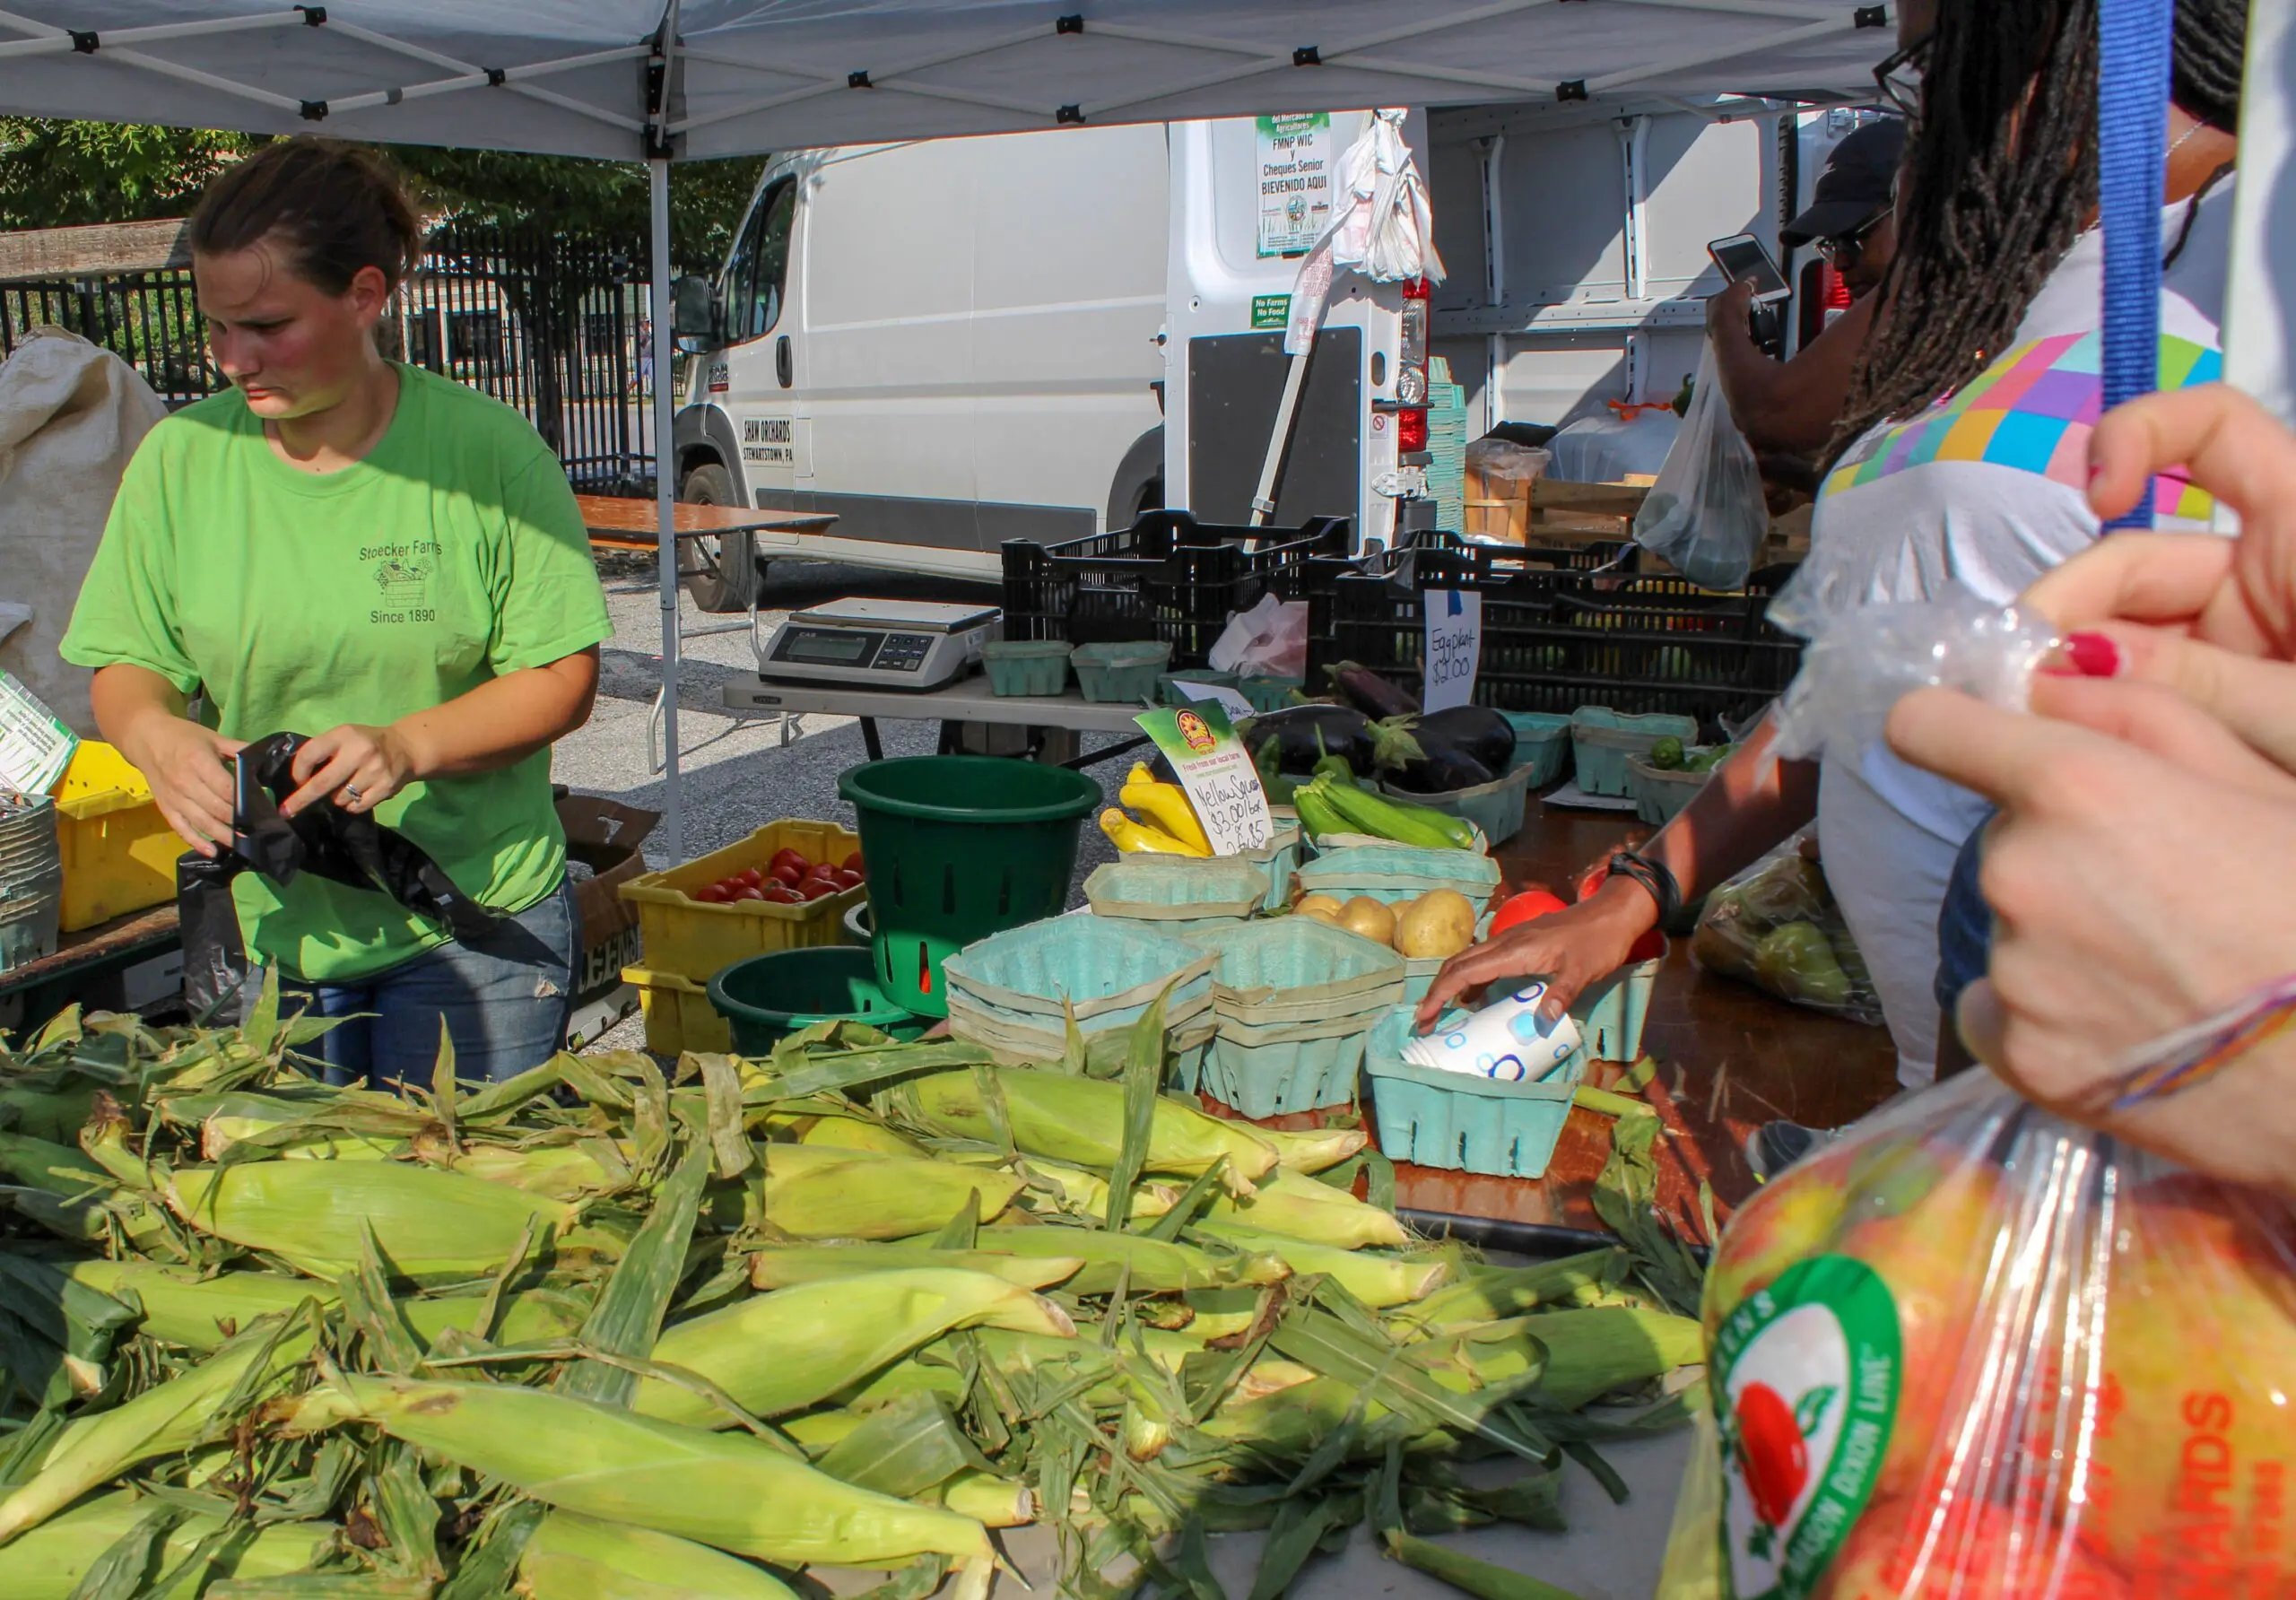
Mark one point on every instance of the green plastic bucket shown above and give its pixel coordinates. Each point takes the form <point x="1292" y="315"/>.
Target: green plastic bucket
<point x="960" y="846"/>
<point x="768" y="997"/>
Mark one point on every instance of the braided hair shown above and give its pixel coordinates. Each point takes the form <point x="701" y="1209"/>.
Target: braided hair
<point x="2000" y="178"/>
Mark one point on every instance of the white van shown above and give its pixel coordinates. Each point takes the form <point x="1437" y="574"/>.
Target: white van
<point x="958" y="341"/>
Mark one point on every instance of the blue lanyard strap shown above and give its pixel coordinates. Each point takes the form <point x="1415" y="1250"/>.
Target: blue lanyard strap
<point x="2132" y="130"/>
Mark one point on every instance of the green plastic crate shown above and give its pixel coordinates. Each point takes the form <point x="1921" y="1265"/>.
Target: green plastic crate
<point x="1602" y="740"/>
<point x="1459" y="1123"/>
<point x="767" y="998"/>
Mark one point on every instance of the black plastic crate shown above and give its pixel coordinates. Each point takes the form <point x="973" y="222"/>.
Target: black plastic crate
<point x="1555" y="641"/>
<point x="1167" y="577"/>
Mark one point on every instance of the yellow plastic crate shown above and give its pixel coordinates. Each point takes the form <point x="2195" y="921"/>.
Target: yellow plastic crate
<point x="119" y="853"/>
<point x="679" y="1016"/>
<point x="696" y="939"/>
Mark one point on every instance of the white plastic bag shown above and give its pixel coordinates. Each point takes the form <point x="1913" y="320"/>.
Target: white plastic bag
<point x="1706" y="515"/>
<point x="1270" y="640"/>
<point x="1607" y="450"/>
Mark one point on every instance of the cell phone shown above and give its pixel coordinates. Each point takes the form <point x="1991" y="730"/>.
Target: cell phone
<point x="1743" y="260"/>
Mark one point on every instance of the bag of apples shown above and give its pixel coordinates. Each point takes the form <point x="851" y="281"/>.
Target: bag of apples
<point x="1971" y="1350"/>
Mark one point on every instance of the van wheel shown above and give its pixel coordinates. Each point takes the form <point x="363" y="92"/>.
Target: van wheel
<point x="727" y="579"/>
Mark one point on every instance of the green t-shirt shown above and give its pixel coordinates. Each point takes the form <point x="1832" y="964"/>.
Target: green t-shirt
<point x="452" y="554"/>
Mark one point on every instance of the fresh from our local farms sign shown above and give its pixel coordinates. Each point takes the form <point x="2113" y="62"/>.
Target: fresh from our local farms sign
<point x="1217" y="772"/>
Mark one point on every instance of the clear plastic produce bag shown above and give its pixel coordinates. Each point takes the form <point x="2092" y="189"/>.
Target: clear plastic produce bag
<point x="1973" y="1350"/>
<point x="1706" y="515"/>
<point x="1776" y="926"/>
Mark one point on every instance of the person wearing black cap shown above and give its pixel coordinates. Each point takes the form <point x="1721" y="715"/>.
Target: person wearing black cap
<point x="1790" y="407"/>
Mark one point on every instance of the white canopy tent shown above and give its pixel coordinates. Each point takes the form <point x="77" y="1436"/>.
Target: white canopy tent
<point x="631" y="80"/>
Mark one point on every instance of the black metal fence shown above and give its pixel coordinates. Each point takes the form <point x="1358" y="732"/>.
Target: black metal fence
<point x="553" y="325"/>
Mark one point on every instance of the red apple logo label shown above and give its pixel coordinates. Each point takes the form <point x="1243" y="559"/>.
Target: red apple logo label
<point x="1772" y="1442"/>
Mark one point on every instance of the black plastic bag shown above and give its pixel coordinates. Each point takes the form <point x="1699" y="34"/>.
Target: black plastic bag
<point x="347" y="848"/>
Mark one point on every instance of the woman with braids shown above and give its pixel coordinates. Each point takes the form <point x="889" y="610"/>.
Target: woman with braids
<point x="1961" y="457"/>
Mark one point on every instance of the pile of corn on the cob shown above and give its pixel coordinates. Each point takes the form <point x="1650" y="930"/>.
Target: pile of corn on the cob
<point x="604" y="1331"/>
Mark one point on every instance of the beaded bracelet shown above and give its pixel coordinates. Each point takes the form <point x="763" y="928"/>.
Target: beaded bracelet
<point x="2192" y="1054"/>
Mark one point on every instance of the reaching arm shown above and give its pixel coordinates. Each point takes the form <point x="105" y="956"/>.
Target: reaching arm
<point x="187" y="766"/>
<point x="1785" y="405"/>
<point x="1751" y="803"/>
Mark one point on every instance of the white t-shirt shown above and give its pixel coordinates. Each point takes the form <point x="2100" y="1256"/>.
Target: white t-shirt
<point x="1987" y="489"/>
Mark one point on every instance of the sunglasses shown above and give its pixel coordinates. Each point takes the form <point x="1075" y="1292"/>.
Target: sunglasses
<point x="1845" y="250"/>
<point x="1899" y="77"/>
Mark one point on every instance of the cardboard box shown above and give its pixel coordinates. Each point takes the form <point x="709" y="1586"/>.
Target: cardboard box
<point x="605" y="835"/>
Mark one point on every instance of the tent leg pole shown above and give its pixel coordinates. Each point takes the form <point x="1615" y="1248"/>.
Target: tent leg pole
<point x="664" y="499"/>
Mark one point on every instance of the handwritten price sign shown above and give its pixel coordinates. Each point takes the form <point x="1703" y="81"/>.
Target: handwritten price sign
<point x="1217" y="772"/>
<point x="1453" y="647"/>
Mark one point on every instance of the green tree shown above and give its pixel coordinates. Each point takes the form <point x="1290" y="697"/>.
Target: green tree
<point x="56" y="174"/>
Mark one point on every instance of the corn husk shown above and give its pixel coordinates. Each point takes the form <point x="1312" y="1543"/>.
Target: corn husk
<point x="579" y="1557"/>
<point x="724" y="1490"/>
<point x="427" y="1223"/>
<point x="1495" y="1293"/>
<point x="1142" y="1266"/>
<point x="783" y="1352"/>
<point x="48" y="1562"/>
<point x="556" y="1172"/>
<point x="824" y="1192"/>
<point x="1081" y="1121"/>
<point x="1578" y="1354"/>
<point x="1314" y="1150"/>
<point x="1377" y="1280"/>
<point x="163" y="1421"/>
<point x="779" y="1266"/>
<point x="1299" y="1206"/>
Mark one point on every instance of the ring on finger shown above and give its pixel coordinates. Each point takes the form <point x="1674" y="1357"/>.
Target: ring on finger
<point x="355" y="792"/>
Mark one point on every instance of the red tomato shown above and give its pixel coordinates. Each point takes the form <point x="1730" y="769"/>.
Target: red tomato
<point x="1522" y="908"/>
<point x="852" y="864"/>
<point x="788" y="858"/>
<point x="781" y="894"/>
<point x="747" y="893"/>
<point x="1596" y="876"/>
<point x="849" y="879"/>
<point x="710" y="895"/>
<point x="1648" y="948"/>
<point x="822" y="873"/>
<point x="786" y="873"/>
<point x="814" y="889"/>
<point x="749" y="877"/>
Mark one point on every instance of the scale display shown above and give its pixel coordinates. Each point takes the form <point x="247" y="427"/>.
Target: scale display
<point x="880" y="644"/>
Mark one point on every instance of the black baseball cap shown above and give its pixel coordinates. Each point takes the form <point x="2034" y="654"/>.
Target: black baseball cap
<point x="1860" y="172"/>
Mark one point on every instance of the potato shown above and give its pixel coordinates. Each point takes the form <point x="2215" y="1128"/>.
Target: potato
<point x="1439" y="924"/>
<point x="1370" y="917"/>
<point x="1323" y="907"/>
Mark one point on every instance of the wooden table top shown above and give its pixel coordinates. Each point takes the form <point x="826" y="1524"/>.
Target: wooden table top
<point x="154" y="926"/>
<point x="1730" y="1058"/>
<point x="614" y="519"/>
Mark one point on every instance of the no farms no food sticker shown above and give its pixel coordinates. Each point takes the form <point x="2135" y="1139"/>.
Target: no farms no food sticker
<point x="1808" y="1393"/>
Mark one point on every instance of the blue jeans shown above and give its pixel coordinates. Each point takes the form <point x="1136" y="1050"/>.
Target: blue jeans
<point x="504" y="1002"/>
<point x="1964" y="927"/>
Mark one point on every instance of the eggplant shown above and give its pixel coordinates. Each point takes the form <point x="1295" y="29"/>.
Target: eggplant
<point x="1304" y="735"/>
<point x="1476" y="730"/>
<point x="1443" y="769"/>
<point x="1371" y="693"/>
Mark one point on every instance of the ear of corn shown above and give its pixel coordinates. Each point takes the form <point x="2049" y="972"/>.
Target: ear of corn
<point x="833" y="1132"/>
<point x="163" y="1421"/>
<point x="989" y="1500"/>
<point x="56" y="1115"/>
<point x="724" y="1490"/>
<point x="427" y="1223"/>
<point x="1084" y="1192"/>
<point x="579" y="1557"/>
<point x="48" y="1562"/>
<point x="1313" y="1150"/>
<point x="911" y="1446"/>
<point x="822" y="1192"/>
<point x="1378" y="1280"/>
<point x="779" y="1266"/>
<point x="1585" y="1353"/>
<point x="1081" y="1121"/>
<point x="1492" y="1294"/>
<point x="1143" y="1265"/>
<point x="783" y="1352"/>
<point x="1299" y="1207"/>
<point x="557" y="1171"/>
<point x="72" y="1196"/>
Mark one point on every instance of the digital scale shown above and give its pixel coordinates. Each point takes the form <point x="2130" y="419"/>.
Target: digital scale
<point x="878" y="644"/>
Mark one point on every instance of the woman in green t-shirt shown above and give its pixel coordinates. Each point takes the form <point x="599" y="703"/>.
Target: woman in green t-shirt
<point x="347" y="547"/>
